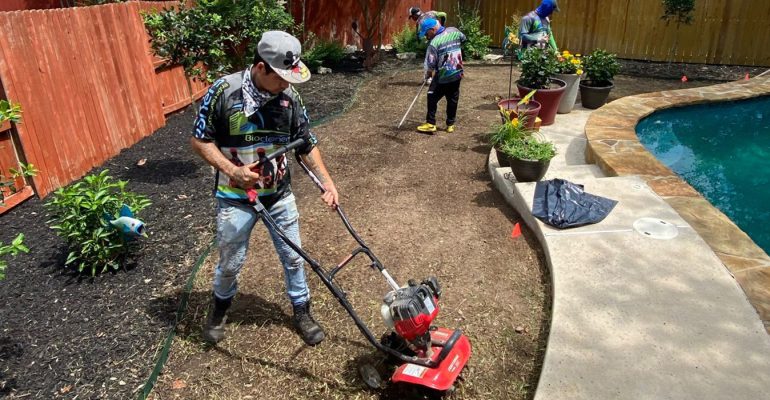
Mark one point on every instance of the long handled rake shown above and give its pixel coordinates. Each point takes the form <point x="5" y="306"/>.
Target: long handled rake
<point x="412" y="105"/>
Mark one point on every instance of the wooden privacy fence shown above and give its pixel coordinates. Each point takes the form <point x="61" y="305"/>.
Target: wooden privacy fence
<point x="87" y="83"/>
<point x="723" y="31"/>
<point x="332" y="19"/>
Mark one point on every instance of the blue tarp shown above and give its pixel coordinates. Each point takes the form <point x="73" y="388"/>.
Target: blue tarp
<point x="564" y="204"/>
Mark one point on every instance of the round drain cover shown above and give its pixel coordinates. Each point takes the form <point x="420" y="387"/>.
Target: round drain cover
<point x="655" y="228"/>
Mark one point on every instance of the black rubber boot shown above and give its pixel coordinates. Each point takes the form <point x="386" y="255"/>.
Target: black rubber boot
<point x="214" y="330"/>
<point x="306" y="326"/>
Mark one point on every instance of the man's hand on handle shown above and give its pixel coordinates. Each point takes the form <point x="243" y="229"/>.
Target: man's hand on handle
<point x="330" y="196"/>
<point x="245" y="176"/>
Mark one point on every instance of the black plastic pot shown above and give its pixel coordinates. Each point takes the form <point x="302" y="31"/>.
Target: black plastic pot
<point x="592" y="96"/>
<point x="529" y="170"/>
<point x="503" y="159"/>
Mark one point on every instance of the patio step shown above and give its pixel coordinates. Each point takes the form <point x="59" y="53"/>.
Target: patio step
<point x="635" y="317"/>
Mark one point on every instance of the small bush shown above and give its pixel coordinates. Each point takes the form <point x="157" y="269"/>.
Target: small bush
<point x="406" y="41"/>
<point x="477" y="43"/>
<point x="322" y="52"/>
<point x="601" y="67"/>
<point x="78" y="217"/>
<point x="17" y="246"/>
<point x="537" y="68"/>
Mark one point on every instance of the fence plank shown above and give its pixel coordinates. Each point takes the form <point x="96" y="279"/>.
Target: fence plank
<point x="723" y="31"/>
<point x="85" y="79"/>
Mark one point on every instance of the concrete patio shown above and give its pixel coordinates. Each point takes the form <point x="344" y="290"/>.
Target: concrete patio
<point x="639" y="311"/>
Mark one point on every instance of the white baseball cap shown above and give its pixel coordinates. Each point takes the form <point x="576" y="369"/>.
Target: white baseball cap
<point x="282" y="51"/>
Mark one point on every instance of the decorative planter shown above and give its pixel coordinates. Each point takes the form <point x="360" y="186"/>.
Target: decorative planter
<point x="529" y="170"/>
<point x="594" y="97"/>
<point x="513" y="109"/>
<point x="567" y="102"/>
<point x="548" y="98"/>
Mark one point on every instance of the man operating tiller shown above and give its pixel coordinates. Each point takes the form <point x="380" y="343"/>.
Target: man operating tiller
<point x="243" y="116"/>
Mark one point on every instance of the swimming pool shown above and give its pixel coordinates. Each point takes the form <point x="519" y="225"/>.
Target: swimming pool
<point x="723" y="151"/>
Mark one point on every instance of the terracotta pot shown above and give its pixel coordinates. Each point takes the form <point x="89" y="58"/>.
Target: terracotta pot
<point x="567" y="102"/>
<point x="548" y="98"/>
<point x="529" y="170"/>
<point x="513" y="109"/>
<point x="592" y="96"/>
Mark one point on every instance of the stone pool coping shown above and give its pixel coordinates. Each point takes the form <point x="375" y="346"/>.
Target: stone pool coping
<point x="612" y="144"/>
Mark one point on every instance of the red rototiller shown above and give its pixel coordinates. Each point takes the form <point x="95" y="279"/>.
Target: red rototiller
<point x="429" y="356"/>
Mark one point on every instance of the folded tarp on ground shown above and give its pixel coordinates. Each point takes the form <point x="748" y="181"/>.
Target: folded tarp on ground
<point x="564" y="204"/>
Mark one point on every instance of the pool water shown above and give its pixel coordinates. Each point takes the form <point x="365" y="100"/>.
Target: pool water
<point x="723" y="151"/>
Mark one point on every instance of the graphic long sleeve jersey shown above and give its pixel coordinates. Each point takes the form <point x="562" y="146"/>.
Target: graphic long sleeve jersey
<point x="444" y="55"/>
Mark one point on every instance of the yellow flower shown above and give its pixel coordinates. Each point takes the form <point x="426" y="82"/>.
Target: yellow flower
<point x="574" y="61"/>
<point x="579" y="72"/>
<point x="565" y="53"/>
<point x="578" y="55"/>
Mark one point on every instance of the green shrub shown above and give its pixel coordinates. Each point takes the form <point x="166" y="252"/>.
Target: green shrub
<point x="322" y="52"/>
<point x="218" y="35"/>
<point x="477" y="43"/>
<point x="537" y="68"/>
<point x="77" y="213"/>
<point x="9" y="112"/>
<point x="530" y="148"/>
<point x="601" y="67"/>
<point x="406" y="41"/>
<point x="17" y="246"/>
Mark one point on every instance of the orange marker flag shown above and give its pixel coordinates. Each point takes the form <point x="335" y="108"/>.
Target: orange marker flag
<point x="684" y="78"/>
<point x="516" y="231"/>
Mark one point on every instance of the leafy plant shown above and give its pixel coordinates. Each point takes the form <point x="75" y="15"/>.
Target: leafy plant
<point x="78" y="218"/>
<point x="530" y="148"/>
<point x="511" y="131"/>
<point x="680" y="11"/>
<point x="477" y="43"/>
<point x="406" y="41"/>
<point x="17" y="246"/>
<point x="9" y="112"/>
<point x="569" y="63"/>
<point x="191" y="37"/>
<point x="322" y="52"/>
<point x="601" y="67"/>
<point x="537" y="68"/>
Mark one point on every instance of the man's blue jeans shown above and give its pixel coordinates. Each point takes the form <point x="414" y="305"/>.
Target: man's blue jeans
<point x="234" y="224"/>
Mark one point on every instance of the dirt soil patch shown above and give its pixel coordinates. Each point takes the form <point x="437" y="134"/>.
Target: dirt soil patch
<point x="426" y="206"/>
<point x="424" y="203"/>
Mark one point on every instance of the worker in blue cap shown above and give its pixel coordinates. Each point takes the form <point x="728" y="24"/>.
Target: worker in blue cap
<point x="443" y="71"/>
<point x="535" y="27"/>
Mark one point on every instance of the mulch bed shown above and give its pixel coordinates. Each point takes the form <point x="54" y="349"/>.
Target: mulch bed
<point x="65" y="336"/>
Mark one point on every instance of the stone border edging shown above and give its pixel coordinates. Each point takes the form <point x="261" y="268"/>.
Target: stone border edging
<point x="612" y="144"/>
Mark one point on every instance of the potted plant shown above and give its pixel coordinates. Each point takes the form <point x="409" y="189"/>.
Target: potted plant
<point x="537" y="69"/>
<point x="570" y="69"/>
<point x="600" y="67"/>
<point x="511" y="109"/>
<point x="530" y="157"/>
<point x="509" y="131"/>
<point x="522" y="150"/>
